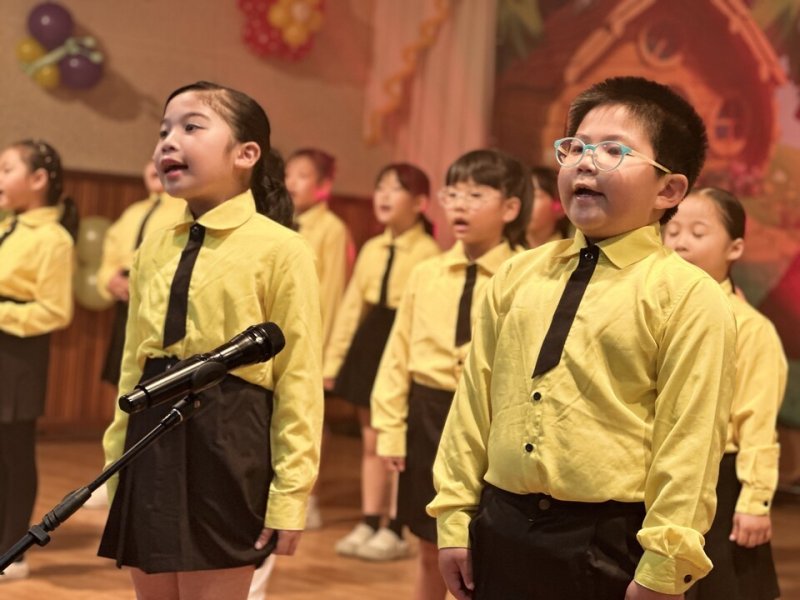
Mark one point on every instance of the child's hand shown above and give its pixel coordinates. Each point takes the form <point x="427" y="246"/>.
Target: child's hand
<point x="288" y="539"/>
<point x="639" y="592"/>
<point x="118" y="286"/>
<point x="395" y="464"/>
<point x="750" y="530"/>
<point x="455" y="565"/>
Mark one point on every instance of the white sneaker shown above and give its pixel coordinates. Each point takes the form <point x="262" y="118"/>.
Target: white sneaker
<point x="384" y="545"/>
<point x="313" y="515"/>
<point x="16" y="570"/>
<point x="349" y="544"/>
<point x="258" y="586"/>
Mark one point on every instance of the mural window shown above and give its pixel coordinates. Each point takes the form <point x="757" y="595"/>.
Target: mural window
<point x="729" y="125"/>
<point x="661" y="43"/>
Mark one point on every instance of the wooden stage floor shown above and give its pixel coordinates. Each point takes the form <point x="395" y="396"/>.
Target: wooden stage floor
<point x="68" y="568"/>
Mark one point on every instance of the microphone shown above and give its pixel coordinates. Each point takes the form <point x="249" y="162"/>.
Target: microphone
<point x="256" y="344"/>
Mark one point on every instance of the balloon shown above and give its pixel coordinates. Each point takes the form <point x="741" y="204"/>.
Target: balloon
<point x="279" y="16"/>
<point x="79" y="72"/>
<point x="28" y="50"/>
<point x="48" y="77"/>
<point x="91" y="232"/>
<point x="84" y="286"/>
<point x="295" y="35"/>
<point x="50" y="23"/>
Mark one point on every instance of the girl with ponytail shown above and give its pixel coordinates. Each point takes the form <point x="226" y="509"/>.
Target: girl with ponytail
<point x="220" y="493"/>
<point x="36" y="241"/>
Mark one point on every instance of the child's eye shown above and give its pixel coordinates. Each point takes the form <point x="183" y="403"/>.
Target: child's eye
<point x="189" y="127"/>
<point x="162" y="134"/>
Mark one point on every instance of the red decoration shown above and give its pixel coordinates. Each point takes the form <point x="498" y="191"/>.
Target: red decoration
<point x="281" y="28"/>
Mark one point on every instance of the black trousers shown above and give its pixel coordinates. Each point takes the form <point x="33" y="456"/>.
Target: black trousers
<point x="531" y="547"/>
<point x="17" y="480"/>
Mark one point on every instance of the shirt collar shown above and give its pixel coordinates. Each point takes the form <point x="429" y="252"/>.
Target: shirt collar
<point x="407" y="239"/>
<point x="727" y="286"/>
<point x="311" y="214"/>
<point x="228" y="215"/>
<point x="40" y="216"/>
<point x="622" y="250"/>
<point x="489" y="262"/>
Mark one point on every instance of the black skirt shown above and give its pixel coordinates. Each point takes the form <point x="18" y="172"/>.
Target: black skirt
<point x="739" y="573"/>
<point x="196" y="498"/>
<point x="23" y="376"/>
<point x="427" y="413"/>
<point x="113" y="363"/>
<point x="357" y="375"/>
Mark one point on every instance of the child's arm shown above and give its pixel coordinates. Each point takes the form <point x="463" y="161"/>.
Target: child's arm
<point x="695" y="374"/>
<point x="389" y="400"/>
<point x="296" y="425"/>
<point x="333" y="277"/>
<point x="461" y="461"/>
<point x="112" y="259"/>
<point x="51" y="307"/>
<point x="760" y="386"/>
<point x="130" y="374"/>
<point x="346" y="322"/>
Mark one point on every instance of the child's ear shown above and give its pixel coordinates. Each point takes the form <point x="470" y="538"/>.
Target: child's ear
<point x="511" y="208"/>
<point x="735" y="250"/>
<point x="39" y="179"/>
<point x="673" y="189"/>
<point x="420" y="203"/>
<point x="323" y="190"/>
<point x="247" y="155"/>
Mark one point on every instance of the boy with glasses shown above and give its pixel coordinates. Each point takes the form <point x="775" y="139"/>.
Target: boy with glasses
<point x="581" y="453"/>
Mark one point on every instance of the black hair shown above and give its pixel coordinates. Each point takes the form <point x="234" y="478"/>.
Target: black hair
<point x="38" y="154"/>
<point x="676" y="131"/>
<point x="547" y="179"/>
<point x="250" y="123"/>
<point x="324" y="163"/>
<point x="413" y="180"/>
<point x="730" y="209"/>
<point x="502" y="172"/>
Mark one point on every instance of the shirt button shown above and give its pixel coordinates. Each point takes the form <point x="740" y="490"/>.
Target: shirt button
<point x="195" y="230"/>
<point x="544" y="504"/>
<point x="687" y="579"/>
<point x="536" y="396"/>
<point x="529" y="447"/>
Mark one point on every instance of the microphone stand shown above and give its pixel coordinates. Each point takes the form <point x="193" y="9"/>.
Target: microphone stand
<point x="40" y="534"/>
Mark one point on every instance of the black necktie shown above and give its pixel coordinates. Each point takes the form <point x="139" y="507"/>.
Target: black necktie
<point x="140" y="235"/>
<point x="9" y="232"/>
<point x="553" y="345"/>
<point x="385" y="282"/>
<point x="175" y="323"/>
<point x="463" y="330"/>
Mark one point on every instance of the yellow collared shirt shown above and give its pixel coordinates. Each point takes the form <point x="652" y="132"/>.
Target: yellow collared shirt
<point x="249" y="270"/>
<point x="36" y="266"/>
<point x="120" y="240"/>
<point x="761" y="372"/>
<point x="331" y="243"/>
<point x="421" y="347"/>
<point x="636" y="409"/>
<point x="364" y="289"/>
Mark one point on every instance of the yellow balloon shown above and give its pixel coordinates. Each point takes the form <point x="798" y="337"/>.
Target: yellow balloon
<point x="48" y="77"/>
<point x="91" y="233"/>
<point x="279" y="16"/>
<point x="28" y="50"/>
<point x="84" y="286"/>
<point x="295" y="35"/>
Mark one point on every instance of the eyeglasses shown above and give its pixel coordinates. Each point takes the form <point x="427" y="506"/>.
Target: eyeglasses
<point x="473" y="199"/>
<point x="606" y="156"/>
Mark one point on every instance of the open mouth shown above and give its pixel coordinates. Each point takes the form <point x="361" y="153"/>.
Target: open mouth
<point x="171" y="167"/>
<point x="584" y="191"/>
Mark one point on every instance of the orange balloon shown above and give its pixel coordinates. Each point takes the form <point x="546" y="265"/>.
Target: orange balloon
<point x="295" y="35"/>
<point x="28" y="50"/>
<point x="48" y="77"/>
<point x="279" y="16"/>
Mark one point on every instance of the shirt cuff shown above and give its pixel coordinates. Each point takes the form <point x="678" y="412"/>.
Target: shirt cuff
<point x="667" y="575"/>
<point x="391" y="443"/>
<point x="453" y="529"/>
<point x="753" y="501"/>
<point x="286" y="511"/>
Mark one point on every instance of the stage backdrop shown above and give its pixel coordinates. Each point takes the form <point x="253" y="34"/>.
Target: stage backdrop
<point x="737" y="62"/>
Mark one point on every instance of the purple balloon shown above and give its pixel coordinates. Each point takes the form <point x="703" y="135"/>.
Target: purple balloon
<point x="78" y="72"/>
<point x="50" y="23"/>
